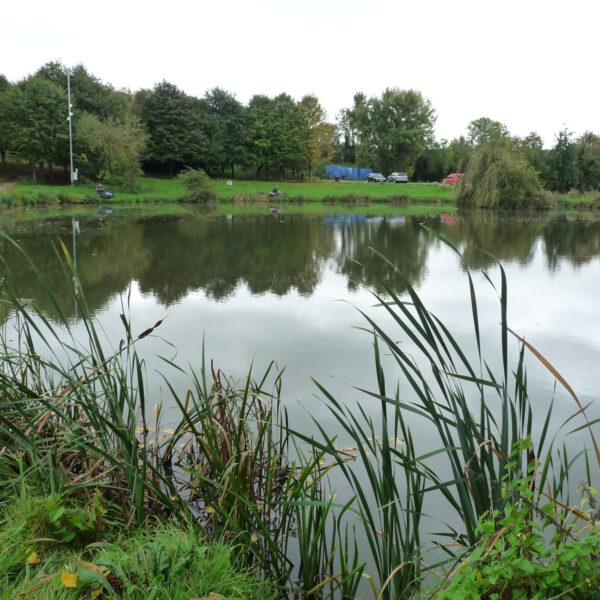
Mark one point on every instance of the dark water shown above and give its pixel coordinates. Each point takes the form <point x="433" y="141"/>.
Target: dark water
<point x="287" y="288"/>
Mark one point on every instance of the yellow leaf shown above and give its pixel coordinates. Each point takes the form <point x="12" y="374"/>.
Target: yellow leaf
<point x="94" y="568"/>
<point x="209" y="509"/>
<point x="170" y="431"/>
<point x="32" y="559"/>
<point x="69" y="579"/>
<point x="254" y="538"/>
<point x="479" y="576"/>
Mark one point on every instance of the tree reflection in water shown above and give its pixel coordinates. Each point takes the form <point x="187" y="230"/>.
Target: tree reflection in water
<point x="171" y="257"/>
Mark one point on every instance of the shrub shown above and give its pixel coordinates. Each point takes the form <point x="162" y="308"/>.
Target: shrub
<point x="517" y="558"/>
<point x="197" y="184"/>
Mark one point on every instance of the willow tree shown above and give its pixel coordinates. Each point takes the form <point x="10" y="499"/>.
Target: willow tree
<point x="498" y="176"/>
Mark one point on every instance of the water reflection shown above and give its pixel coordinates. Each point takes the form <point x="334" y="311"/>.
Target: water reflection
<point x="171" y="257"/>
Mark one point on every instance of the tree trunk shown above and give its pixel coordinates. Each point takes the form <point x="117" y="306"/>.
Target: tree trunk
<point x="258" y="170"/>
<point x="3" y="155"/>
<point x="232" y="171"/>
<point x="310" y="172"/>
<point x="33" y="173"/>
<point x="267" y="173"/>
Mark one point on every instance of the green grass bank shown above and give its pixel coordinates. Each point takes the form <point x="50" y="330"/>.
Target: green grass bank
<point x="148" y="189"/>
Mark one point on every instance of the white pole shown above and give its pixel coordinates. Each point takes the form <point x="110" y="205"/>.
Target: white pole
<point x="69" y="118"/>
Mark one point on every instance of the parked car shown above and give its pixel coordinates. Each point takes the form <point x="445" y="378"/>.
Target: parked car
<point x="453" y="178"/>
<point x="398" y="178"/>
<point x="373" y="177"/>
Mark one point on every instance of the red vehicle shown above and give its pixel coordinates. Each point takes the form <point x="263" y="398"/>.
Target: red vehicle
<point x="453" y="178"/>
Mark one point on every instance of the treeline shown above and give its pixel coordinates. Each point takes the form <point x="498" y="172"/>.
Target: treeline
<point x="116" y="133"/>
<point x="119" y="133"/>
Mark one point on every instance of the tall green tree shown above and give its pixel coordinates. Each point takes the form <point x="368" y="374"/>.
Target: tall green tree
<point x="459" y="154"/>
<point x="403" y="125"/>
<point x="88" y="93"/>
<point x="261" y="132"/>
<point x="288" y="134"/>
<point x="7" y="117"/>
<point x="588" y="161"/>
<point x="318" y="135"/>
<point x="232" y="133"/>
<point x="532" y="148"/>
<point x="563" y="160"/>
<point x="361" y="132"/>
<point x="345" y="142"/>
<point x="485" y="130"/>
<point x="391" y="131"/>
<point x="41" y="111"/>
<point x="181" y="130"/>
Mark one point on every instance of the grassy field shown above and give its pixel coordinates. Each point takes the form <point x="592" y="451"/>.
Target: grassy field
<point x="164" y="190"/>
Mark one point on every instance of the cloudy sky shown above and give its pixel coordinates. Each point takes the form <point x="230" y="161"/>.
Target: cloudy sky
<point x="531" y="64"/>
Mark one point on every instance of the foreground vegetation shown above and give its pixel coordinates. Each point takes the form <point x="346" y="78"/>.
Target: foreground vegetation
<point x="54" y="548"/>
<point x="87" y="464"/>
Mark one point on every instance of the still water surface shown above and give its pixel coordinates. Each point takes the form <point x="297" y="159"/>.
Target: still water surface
<point x="287" y="288"/>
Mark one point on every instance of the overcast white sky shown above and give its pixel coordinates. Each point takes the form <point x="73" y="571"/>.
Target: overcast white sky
<point x="531" y="64"/>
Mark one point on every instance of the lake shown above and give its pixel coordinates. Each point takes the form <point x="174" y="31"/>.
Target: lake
<point x="290" y="288"/>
